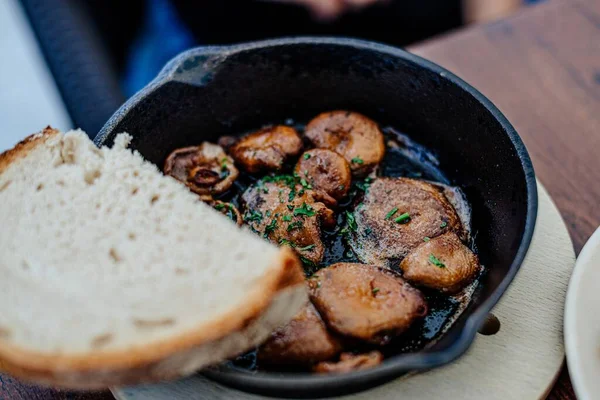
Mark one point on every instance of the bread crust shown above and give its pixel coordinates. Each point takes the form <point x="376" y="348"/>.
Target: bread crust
<point x="209" y="343"/>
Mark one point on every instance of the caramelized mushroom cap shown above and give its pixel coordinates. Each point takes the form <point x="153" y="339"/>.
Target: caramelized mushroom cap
<point x="205" y="169"/>
<point x="228" y="210"/>
<point x="326" y="171"/>
<point x="365" y="302"/>
<point x="443" y="263"/>
<point x="286" y="217"/>
<point x="303" y="341"/>
<point x="350" y="362"/>
<point x="397" y="215"/>
<point x="267" y="149"/>
<point x="354" y="136"/>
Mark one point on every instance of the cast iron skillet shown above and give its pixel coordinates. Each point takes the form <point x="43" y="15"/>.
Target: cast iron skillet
<point x="211" y="91"/>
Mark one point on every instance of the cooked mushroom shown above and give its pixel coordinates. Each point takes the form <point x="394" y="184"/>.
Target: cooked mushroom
<point x="205" y="169"/>
<point x="354" y="136"/>
<point x="350" y="362"/>
<point x="443" y="263"/>
<point x="396" y="215"/>
<point x="288" y="214"/>
<point x="365" y="302"/>
<point x="229" y="210"/>
<point x="326" y="171"/>
<point x="267" y="149"/>
<point x="303" y="341"/>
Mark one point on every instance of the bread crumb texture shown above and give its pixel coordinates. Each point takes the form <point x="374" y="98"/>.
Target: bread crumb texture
<point x="99" y="250"/>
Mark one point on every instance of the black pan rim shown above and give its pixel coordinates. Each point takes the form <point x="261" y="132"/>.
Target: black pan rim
<point x="306" y="384"/>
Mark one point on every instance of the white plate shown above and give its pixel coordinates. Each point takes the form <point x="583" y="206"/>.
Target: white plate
<point x="582" y="322"/>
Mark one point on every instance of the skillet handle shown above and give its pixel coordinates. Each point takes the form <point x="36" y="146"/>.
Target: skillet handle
<point x="194" y="66"/>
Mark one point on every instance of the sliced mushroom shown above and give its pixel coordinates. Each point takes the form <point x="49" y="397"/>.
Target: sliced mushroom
<point x="365" y="302"/>
<point x="396" y="215"/>
<point x="287" y="214"/>
<point x="303" y="341"/>
<point x="205" y="169"/>
<point x="326" y="171"/>
<point x="267" y="149"/>
<point x="228" y="210"/>
<point x="443" y="263"/>
<point x="357" y="138"/>
<point x="350" y="362"/>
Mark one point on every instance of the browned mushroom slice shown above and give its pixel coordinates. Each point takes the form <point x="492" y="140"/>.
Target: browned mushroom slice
<point x="288" y="214"/>
<point x="229" y="210"/>
<point x="266" y="150"/>
<point x="326" y="171"/>
<point x="350" y="362"/>
<point x="354" y="136"/>
<point x="443" y="263"/>
<point x="395" y="217"/>
<point x="365" y="302"/>
<point x="303" y="341"/>
<point x="205" y="169"/>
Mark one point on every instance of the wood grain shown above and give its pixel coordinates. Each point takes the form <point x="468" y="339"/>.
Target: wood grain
<point x="542" y="69"/>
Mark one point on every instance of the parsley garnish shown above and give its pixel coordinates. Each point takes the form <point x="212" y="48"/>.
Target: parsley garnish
<point x="306" y="156"/>
<point x="375" y="290"/>
<point x="436" y="261"/>
<point x="357" y="160"/>
<point x="391" y="213"/>
<point x="341" y="187"/>
<point x="268" y="213"/>
<point x="309" y="247"/>
<point x="305" y="184"/>
<point x="291" y="196"/>
<point x="287" y="218"/>
<point x="253" y="216"/>
<point x="294" y="225"/>
<point x="368" y="231"/>
<point x="286" y="242"/>
<point x="305" y="209"/>
<point x="224" y="164"/>
<point x="271" y="227"/>
<point x="219" y="207"/>
<point x="402" y="219"/>
<point x="426" y="239"/>
<point x="350" y="223"/>
<point x="307" y="262"/>
<point x="443" y="224"/>
<point x="290" y="207"/>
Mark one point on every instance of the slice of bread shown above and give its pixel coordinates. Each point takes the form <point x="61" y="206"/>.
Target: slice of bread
<point x="114" y="274"/>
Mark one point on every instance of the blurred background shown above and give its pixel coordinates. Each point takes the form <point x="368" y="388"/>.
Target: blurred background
<point x="72" y="63"/>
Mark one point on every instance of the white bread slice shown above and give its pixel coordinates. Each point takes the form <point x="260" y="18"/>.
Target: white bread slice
<point x="114" y="274"/>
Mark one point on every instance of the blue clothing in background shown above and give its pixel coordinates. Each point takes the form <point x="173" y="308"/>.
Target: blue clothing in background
<point x="162" y="37"/>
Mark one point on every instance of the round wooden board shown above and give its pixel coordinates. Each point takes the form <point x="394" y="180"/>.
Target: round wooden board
<point x="521" y="361"/>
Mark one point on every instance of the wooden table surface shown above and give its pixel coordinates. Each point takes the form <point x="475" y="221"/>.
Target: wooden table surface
<point x="542" y="69"/>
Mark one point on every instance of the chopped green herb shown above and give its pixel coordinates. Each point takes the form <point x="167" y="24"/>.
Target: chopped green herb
<point x="305" y="184"/>
<point x="296" y="175"/>
<point x="368" y="231"/>
<point x="279" y="196"/>
<point x="362" y="186"/>
<point x="286" y="242"/>
<point x="436" y="261"/>
<point x="426" y="239"/>
<point x="307" y="262"/>
<point x="219" y="207"/>
<point x="309" y="247"/>
<point x="224" y="164"/>
<point x="291" y="196"/>
<point x="443" y="224"/>
<point x="301" y="192"/>
<point x="268" y="213"/>
<point x="306" y="156"/>
<point x="349" y="254"/>
<point x="224" y="173"/>
<point x="305" y="209"/>
<point x="294" y="225"/>
<point x="357" y="160"/>
<point x="231" y="214"/>
<point x="305" y="172"/>
<point x="341" y="187"/>
<point x="375" y="290"/>
<point x="271" y="227"/>
<point x="351" y="221"/>
<point x="402" y="219"/>
<point x="287" y="218"/>
<point x="368" y="179"/>
<point x="391" y="213"/>
<point x="290" y="207"/>
<point x="253" y="216"/>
